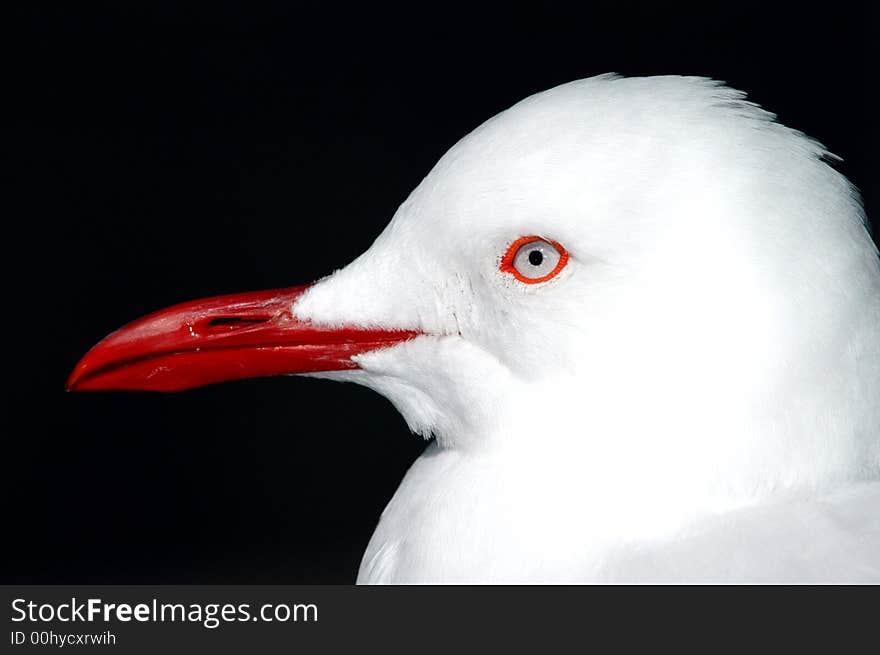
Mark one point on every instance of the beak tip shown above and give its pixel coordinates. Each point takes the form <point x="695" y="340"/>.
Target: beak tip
<point x="78" y="377"/>
<point x="72" y="383"/>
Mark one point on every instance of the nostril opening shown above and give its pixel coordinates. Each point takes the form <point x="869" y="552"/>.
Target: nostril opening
<point x="234" y="320"/>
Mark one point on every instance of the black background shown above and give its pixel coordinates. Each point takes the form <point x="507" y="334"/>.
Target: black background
<point x="163" y="152"/>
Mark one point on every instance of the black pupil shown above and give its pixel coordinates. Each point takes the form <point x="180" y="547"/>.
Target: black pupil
<point x="536" y="257"/>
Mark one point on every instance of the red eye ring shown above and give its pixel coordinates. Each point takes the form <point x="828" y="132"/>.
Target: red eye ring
<point x="507" y="262"/>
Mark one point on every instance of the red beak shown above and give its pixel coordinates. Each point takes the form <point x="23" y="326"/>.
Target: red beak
<point x="222" y="338"/>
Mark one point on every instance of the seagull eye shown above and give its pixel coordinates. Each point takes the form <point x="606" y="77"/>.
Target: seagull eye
<point x="533" y="259"/>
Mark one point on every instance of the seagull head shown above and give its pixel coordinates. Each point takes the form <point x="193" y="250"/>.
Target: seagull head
<point x="644" y="284"/>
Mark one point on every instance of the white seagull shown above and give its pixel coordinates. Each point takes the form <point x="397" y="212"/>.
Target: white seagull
<point x="640" y="321"/>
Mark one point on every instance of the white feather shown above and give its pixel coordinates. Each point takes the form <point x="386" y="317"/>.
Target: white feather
<point x="674" y="404"/>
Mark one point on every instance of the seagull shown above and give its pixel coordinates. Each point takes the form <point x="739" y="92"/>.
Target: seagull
<point x="638" y="321"/>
